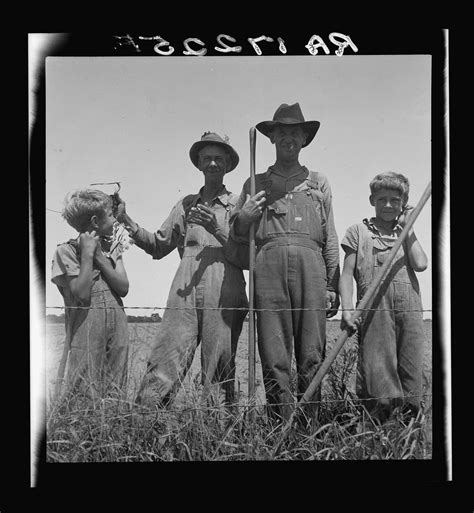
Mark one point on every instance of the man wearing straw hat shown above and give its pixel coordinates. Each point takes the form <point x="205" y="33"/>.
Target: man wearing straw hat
<point x="206" y="288"/>
<point x="297" y="260"/>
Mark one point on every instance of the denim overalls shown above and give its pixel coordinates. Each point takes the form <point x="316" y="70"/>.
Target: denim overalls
<point x="204" y="283"/>
<point x="97" y="337"/>
<point x="391" y="339"/>
<point x="290" y="276"/>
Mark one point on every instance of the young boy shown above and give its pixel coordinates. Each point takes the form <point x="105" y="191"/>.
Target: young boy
<point x="391" y="337"/>
<point x="96" y="333"/>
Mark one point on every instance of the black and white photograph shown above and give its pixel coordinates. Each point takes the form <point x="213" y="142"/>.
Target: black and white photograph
<point x="238" y="258"/>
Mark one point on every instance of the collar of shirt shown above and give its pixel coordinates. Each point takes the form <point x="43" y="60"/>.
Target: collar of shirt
<point x="370" y="223"/>
<point x="301" y="170"/>
<point x="222" y="196"/>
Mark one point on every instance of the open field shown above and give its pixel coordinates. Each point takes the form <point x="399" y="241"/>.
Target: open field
<point x="340" y="436"/>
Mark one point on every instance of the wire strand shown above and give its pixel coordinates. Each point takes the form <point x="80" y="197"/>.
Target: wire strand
<point x="235" y="308"/>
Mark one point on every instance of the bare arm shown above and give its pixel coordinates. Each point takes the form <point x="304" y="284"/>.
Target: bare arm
<point x="416" y="255"/>
<point x="81" y="285"/>
<point x="346" y="290"/>
<point x="115" y="277"/>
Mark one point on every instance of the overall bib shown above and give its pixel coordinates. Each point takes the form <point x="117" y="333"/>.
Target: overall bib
<point x="204" y="283"/>
<point x="391" y="339"/>
<point x="290" y="275"/>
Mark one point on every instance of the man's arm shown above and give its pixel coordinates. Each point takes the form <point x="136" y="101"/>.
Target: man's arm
<point x="163" y="241"/>
<point x="246" y="211"/>
<point x="331" y="248"/>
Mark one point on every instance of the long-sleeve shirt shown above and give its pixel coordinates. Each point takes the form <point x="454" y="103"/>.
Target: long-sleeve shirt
<point x="279" y="187"/>
<point x="203" y="265"/>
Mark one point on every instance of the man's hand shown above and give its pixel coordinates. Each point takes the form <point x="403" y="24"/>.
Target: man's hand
<point x="201" y="214"/>
<point x="253" y="208"/>
<point x="120" y="206"/>
<point x="332" y="303"/>
<point x="122" y="216"/>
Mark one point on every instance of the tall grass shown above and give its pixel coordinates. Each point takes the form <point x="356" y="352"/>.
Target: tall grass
<point x="118" y="430"/>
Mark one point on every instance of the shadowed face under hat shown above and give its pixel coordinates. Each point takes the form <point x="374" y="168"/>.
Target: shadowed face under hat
<point x="289" y="115"/>
<point x="211" y="138"/>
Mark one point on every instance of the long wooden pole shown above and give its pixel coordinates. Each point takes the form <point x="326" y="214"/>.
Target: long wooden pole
<point x="251" y="350"/>
<point x="363" y="304"/>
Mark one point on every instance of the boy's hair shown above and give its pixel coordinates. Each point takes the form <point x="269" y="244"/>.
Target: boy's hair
<point x="391" y="180"/>
<point x="82" y="204"/>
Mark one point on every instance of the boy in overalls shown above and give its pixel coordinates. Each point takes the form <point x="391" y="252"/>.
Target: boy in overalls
<point x="297" y="260"/>
<point x="92" y="281"/>
<point x="391" y="336"/>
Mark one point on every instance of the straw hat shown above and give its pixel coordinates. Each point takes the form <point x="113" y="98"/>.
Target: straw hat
<point x="209" y="138"/>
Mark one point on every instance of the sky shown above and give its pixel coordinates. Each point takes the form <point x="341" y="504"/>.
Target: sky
<point x="134" y="119"/>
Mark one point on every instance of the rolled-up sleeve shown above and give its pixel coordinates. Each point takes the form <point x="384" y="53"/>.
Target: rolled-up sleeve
<point x="331" y="248"/>
<point x="162" y="242"/>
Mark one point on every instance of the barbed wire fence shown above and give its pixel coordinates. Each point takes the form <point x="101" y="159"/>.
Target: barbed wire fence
<point x="350" y="398"/>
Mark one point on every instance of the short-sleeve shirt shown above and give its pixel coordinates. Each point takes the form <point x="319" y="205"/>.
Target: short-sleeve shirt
<point x="372" y="248"/>
<point x="66" y="263"/>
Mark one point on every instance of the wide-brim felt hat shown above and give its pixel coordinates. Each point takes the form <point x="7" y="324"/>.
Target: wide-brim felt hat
<point x="289" y="115"/>
<point x="209" y="138"/>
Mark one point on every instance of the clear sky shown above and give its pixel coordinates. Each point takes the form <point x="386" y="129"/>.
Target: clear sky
<point x="134" y="119"/>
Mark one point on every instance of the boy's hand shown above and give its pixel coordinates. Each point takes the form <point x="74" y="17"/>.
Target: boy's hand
<point x="88" y="242"/>
<point x="347" y="323"/>
<point x="405" y="214"/>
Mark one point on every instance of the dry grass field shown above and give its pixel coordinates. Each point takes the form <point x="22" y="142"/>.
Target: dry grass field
<point x="123" y="432"/>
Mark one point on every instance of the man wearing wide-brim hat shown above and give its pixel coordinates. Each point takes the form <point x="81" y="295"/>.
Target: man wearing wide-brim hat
<point x="205" y="284"/>
<point x="297" y="259"/>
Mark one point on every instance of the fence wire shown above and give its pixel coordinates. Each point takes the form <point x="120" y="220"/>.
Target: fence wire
<point x="106" y="307"/>
<point x="353" y="400"/>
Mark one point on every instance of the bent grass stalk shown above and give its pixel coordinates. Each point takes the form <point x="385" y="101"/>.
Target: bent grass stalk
<point x="116" y="429"/>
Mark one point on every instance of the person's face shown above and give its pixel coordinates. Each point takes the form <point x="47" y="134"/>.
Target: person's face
<point x="213" y="162"/>
<point x="105" y="223"/>
<point x="388" y="204"/>
<point x="288" y="141"/>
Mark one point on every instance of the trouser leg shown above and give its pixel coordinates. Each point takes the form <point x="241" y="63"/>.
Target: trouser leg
<point x="116" y="357"/>
<point x="220" y="333"/>
<point x="87" y="353"/>
<point x="377" y="378"/>
<point x="170" y="357"/>
<point x="411" y="338"/>
<point x="221" y="330"/>
<point x="274" y="329"/>
<point x="308" y="291"/>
